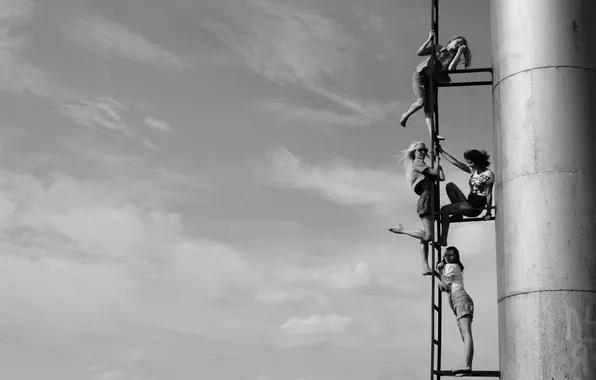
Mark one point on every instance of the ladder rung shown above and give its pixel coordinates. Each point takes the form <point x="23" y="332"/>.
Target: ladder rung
<point x="479" y="70"/>
<point x="465" y="220"/>
<point x="473" y="209"/>
<point x="436" y="342"/>
<point x="436" y="308"/>
<point x="470" y="374"/>
<point x="463" y="84"/>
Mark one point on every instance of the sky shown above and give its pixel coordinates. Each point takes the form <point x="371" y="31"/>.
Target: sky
<point x="202" y="189"/>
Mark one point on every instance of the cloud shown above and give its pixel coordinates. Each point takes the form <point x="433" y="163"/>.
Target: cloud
<point x="106" y="36"/>
<point x="287" y="45"/>
<point x="349" y="278"/>
<point x="18" y="75"/>
<point x="97" y="113"/>
<point x="380" y="277"/>
<point x="285" y="297"/>
<point x="314" y="330"/>
<point x="291" y="46"/>
<point x="149" y="144"/>
<point x="293" y="112"/>
<point x="85" y="256"/>
<point x="374" y="22"/>
<point x="106" y="113"/>
<point x="157" y="125"/>
<point x="171" y="175"/>
<point x="110" y="375"/>
<point x="339" y="182"/>
<point x="16" y="10"/>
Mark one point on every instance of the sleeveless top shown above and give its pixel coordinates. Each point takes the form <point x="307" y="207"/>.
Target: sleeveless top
<point x="479" y="182"/>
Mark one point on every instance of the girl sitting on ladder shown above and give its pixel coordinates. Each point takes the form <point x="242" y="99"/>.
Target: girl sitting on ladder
<point x="481" y="184"/>
<point x="445" y="59"/>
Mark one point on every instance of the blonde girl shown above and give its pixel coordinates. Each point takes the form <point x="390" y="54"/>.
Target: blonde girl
<point x="421" y="177"/>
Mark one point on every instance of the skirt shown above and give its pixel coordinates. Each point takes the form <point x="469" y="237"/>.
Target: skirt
<point x="461" y="303"/>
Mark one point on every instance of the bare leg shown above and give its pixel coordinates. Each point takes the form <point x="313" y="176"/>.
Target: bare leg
<point x="426" y="271"/>
<point x="428" y="117"/>
<point x="427" y="222"/>
<point x="425" y="236"/>
<point x="461" y="333"/>
<point x="417" y="105"/>
<point x="465" y="327"/>
<point x="416" y="234"/>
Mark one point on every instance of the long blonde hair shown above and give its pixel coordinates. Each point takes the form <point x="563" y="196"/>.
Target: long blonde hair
<point x="408" y="156"/>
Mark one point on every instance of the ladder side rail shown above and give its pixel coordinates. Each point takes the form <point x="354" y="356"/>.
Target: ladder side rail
<point x="432" y="92"/>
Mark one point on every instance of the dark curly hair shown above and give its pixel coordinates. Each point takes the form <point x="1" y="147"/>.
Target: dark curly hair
<point x="479" y="157"/>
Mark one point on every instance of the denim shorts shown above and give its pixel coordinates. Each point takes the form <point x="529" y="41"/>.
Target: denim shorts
<point x="461" y="303"/>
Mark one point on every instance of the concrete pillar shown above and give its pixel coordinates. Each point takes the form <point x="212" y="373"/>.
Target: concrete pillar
<point x="544" y="60"/>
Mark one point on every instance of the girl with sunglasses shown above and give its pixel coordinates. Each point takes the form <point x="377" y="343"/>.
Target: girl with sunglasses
<point x="421" y="178"/>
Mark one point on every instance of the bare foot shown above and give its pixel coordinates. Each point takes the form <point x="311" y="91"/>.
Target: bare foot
<point x="396" y="229"/>
<point x="404" y="120"/>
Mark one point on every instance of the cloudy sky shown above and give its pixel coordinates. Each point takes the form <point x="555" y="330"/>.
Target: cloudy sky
<point x="202" y="190"/>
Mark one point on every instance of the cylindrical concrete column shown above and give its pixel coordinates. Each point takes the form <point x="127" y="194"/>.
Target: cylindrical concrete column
<point x="544" y="60"/>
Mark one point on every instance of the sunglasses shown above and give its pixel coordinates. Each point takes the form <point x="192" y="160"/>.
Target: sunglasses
<point x="422" y="150"/>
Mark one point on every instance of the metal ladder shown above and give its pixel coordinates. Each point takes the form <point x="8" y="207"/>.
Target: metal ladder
<point x="436" y="296"/>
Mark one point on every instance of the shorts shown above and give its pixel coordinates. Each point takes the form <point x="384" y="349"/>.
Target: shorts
<point x="461" y="303"/>
<point x="424" y="207"/>
<point x="420" y="84"/>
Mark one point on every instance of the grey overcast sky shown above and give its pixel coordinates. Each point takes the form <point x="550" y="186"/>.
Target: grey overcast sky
<point x="201" y="189"/>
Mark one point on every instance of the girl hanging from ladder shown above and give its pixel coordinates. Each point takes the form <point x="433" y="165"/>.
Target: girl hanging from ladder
<point x="421" y="177"/>
<point x="445" y="59"/>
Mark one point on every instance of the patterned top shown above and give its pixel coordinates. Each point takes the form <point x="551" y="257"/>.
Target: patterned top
<point x="453" y="275"/>
<point x="479" y="183"/>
